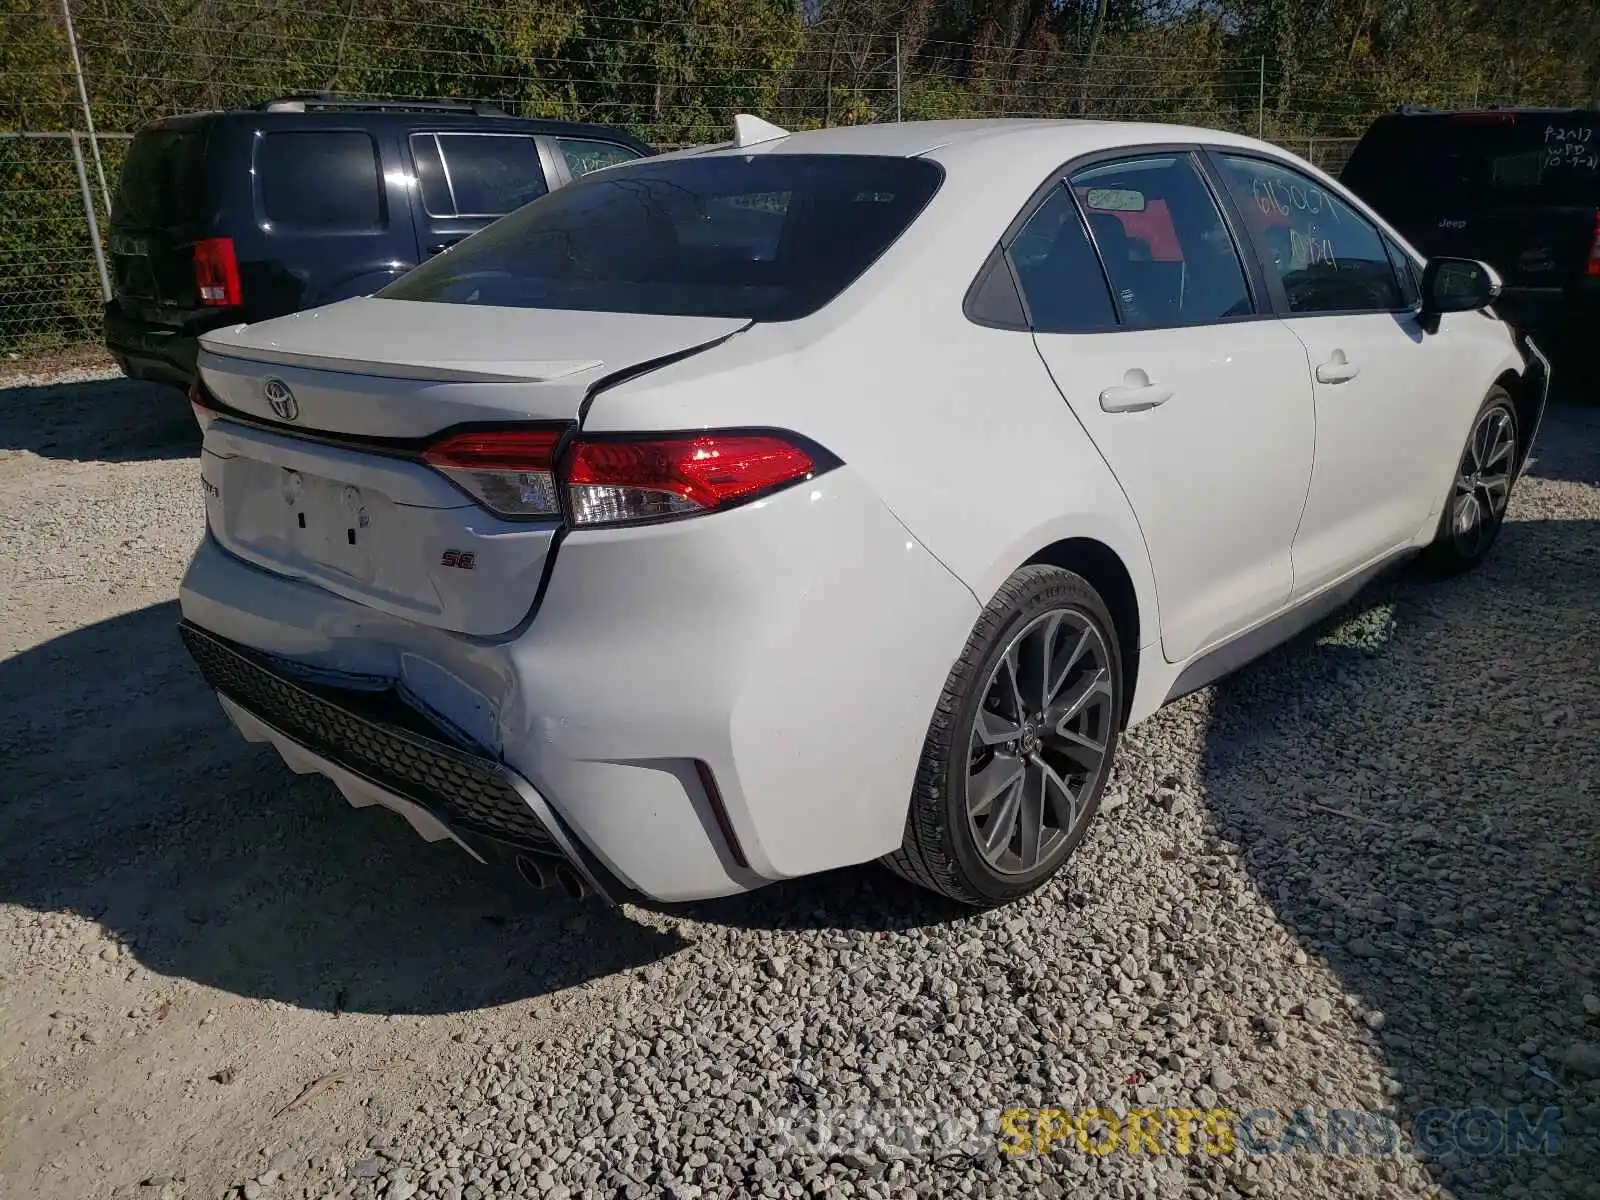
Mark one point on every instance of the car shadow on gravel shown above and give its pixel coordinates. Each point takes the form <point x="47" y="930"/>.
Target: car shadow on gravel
<point x="127" y="798"/>
<point x="1415" y="788"/>
<point x="101" y="420"/>
<point x="1575" y="456"/>
<point x="860" y="899"/>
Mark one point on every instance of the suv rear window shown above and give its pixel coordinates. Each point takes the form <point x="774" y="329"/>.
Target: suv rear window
<point x="771" y="237"/>
<point x="320" y="182"/>
<point x="1521" y="158"/>
<point x="163" y="179"/>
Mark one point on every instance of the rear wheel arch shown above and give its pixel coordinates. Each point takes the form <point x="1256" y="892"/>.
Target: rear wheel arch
<point x="1105" y="571"/>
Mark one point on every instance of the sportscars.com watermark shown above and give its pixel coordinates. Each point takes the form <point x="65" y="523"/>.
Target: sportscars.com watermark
<point x="1029" y="1132"/>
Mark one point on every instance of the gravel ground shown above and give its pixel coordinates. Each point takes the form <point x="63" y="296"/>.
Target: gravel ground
<point x="1364" y="873"/>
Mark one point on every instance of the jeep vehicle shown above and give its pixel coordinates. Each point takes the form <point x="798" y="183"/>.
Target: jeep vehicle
<point x="222" y="218"/>
<point x="1518" y="188"/>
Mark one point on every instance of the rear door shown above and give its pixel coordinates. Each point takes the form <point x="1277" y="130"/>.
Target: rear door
<point x="1194" y="394"/>
<point x="466" y="179"/>
<point x="162" y="199"/>
<point x="1517" y="190"/>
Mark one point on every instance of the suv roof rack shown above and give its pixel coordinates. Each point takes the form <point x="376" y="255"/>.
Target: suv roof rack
<point x="1420" y="110"/>
<point x="317" y="101"/>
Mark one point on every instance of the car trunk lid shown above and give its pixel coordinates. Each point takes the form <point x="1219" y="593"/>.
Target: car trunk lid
<point x="312" y="463"/>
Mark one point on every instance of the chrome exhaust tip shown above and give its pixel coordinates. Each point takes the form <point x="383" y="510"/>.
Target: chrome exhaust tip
<point x="571" y="882"/>
<point x="533" y="872"/>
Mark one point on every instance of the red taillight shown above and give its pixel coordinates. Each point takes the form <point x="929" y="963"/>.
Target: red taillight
<point x="216" y="272"/>
<point x="510" y="472"/>
<point x="621" y="482"/>
<point x="1594" y="249"/>
<point x="514" y="473"/>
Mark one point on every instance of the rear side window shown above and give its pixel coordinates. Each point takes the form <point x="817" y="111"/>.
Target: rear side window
<point x="163" y="179"/>
<point x="1057" y="270"/>
<point x="1501" y="158"/>
<point x="584" y="155"/>
<point x="768" y="237"/>
<point x="1327" y="256"/>
<point x="490" y="174"/>
<point x="1166" y="250"/>
<point x="323" y="181"/>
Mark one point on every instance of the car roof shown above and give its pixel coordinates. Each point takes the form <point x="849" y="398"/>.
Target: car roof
<point x="953" y="141"/>
<point x="1010" y="148"/>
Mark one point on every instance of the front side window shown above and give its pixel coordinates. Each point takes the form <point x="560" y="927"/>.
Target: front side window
<point x="1407" y="273"/>
<point x="320" y="181"/>
<point x="490" y="174"/>
<point x="769" y="237"/>
<point x="1327" y="256"/>
<point x="583" y="155"/>
<point x="1166" y="249"/>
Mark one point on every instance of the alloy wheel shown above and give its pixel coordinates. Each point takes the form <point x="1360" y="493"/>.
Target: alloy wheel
<point x="1038" y="742"/>
<point x="1483" y="482"/>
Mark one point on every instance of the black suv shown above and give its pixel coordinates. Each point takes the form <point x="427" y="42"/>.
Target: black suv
<point x="1518" y="188"/>
<point x="228" y="217"/>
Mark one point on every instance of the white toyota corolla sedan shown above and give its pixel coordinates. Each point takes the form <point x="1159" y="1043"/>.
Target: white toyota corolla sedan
<point x="832" y="496"/>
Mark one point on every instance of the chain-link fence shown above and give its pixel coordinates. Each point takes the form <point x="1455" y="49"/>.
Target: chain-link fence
<point x="1329" y="153"/>
<point x="52" y="221"/>
<point x="117" y="64"/>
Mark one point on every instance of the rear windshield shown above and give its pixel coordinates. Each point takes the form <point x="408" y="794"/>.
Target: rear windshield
<point x="770" y="237"/>
<point x="163" y="179"/>
<point x="1549" y="159"/>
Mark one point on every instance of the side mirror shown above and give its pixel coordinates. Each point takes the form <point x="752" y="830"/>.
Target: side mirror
<point x="1457" y="285"/>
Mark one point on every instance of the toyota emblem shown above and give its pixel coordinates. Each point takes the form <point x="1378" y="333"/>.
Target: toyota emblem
<point x="281" y="398"/>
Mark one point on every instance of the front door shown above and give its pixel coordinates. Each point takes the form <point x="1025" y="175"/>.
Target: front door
<point x="1376" y="376"/>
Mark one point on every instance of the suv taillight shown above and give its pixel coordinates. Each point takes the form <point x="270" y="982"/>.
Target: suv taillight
<point x="216" y="272"/>
<point x="1594" y="248"/>
<point x="619" y="481"/>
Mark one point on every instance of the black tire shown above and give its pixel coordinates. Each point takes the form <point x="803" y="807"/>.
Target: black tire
<point x="941" y="848"/>
<point x="1475" y="508"/>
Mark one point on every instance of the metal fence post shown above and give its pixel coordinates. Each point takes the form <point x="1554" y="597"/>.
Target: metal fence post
<point x="88" y="117"/>
<point x="897" y="78"/>
<point x="88" y="212"/>
<point x="1261" y="99"/>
